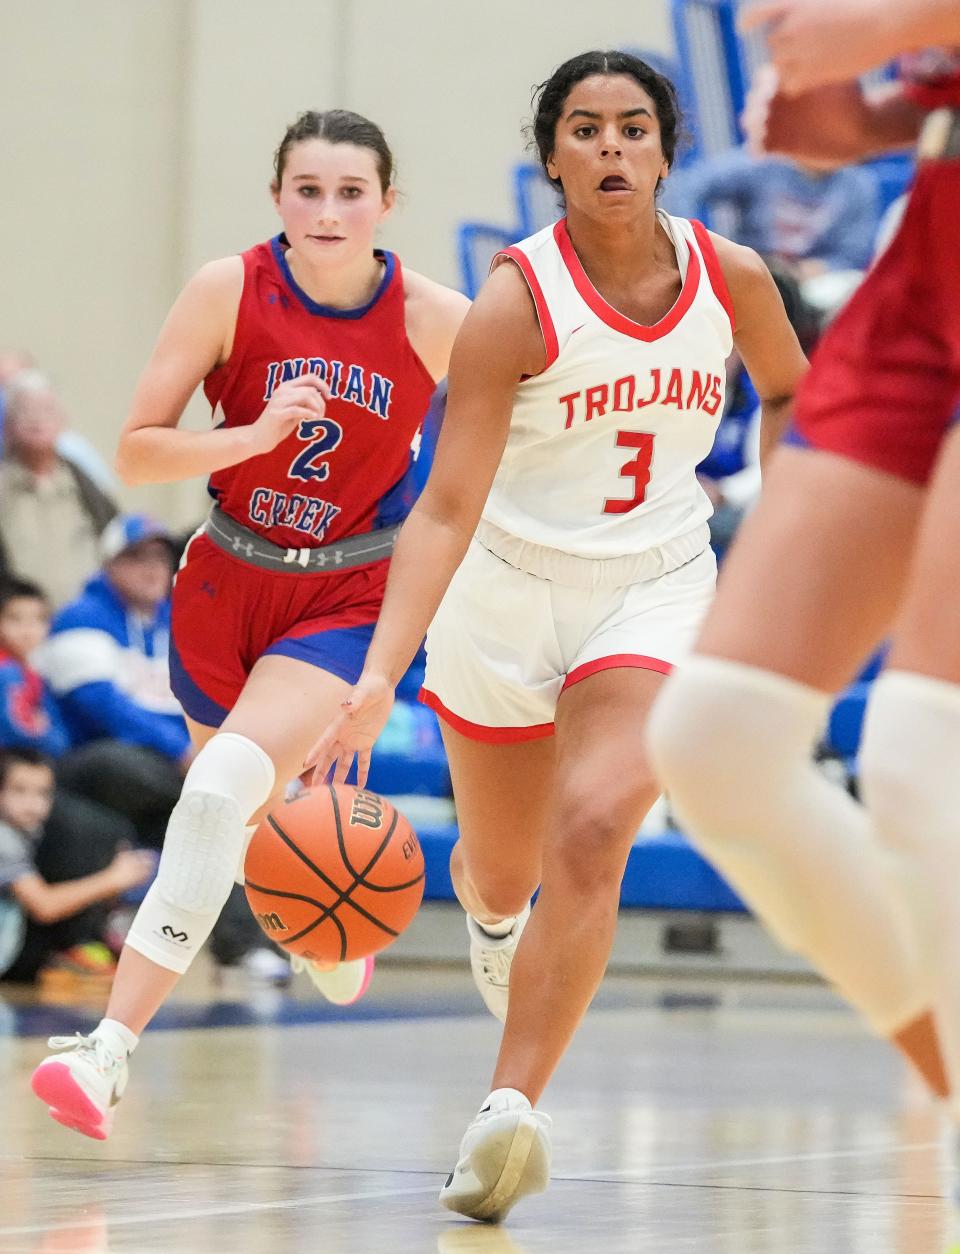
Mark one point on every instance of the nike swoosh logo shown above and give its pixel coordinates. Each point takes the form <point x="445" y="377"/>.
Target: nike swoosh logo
<point x="579" y="328"/>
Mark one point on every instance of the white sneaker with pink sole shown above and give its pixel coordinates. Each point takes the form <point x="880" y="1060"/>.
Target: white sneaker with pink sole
<point x="81" y="1083"/>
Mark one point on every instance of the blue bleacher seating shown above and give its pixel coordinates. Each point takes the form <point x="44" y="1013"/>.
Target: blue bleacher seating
<point x="476" y="244"/>
<point x="663" y="873"/>
<point x="409" y="756"/>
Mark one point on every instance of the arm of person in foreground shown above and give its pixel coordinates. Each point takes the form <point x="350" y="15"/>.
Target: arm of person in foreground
<point x="196" y="337"/>
<point x="814" y="42"/>
<point x="764" y="338"/>
<point x="499" y="341"/>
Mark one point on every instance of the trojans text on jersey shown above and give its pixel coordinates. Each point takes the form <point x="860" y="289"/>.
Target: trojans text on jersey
<point x="686" y="389"/>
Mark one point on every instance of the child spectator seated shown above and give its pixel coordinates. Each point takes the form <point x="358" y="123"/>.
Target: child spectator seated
<point x="55" y="886"/>
<point x="29" y="715"/>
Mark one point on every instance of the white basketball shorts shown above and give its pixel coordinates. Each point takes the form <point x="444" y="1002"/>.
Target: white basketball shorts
<point x="504" y="643"/>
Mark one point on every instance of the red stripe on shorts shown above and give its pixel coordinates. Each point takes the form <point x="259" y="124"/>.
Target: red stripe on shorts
<point x="635" y="660"/>
<point x="477" y="731"/>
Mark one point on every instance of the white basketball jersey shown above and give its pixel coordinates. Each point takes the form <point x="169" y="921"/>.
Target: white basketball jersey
<point x="603" y="444"/>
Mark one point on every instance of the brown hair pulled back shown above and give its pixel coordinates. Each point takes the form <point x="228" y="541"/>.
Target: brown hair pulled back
<point x="337" y="126"/>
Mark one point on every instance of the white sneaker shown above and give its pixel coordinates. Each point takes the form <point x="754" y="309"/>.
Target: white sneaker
<point x="81" y="1084"/>
<point x="504" y="1155"/>
<point x="491" y="958"/>
<point x="343" y="984"/>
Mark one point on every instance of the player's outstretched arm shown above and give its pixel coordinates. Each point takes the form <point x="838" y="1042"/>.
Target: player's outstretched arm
<point x="498" y="343"/>
<point x="814" y="42"/>
<point x="196" y="337"/>
<point x="764" y="337"/>
<point x="831" y="125"/>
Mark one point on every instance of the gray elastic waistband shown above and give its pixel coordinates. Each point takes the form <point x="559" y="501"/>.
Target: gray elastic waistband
<point x="241" y="542"/>
<point x="940" y="136"/>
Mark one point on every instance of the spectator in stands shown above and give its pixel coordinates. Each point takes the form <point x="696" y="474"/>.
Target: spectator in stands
<point x="106" y="661"/>
<point x="55" y="892"/>
<point x="53" y="512"/>
<point x="12" y="362"/>
<point x="29" y="715"/>
<point x="815" y="220"/>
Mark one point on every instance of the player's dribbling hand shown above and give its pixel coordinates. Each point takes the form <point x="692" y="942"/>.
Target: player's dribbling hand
<point x="363" y="716"/>
<point x="298" y="400"/>
<point x="814" y="42"/>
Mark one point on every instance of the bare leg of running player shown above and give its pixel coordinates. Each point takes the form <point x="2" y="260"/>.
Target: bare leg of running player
<point x="810" y="588"/>
<point x="602" y="788"/>
<point x="908" y="760"/>
<point x="503" y="794"/>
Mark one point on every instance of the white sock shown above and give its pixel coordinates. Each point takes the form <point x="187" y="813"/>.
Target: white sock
<point x="909" y="773"/>
<point x="117" y="1037"/>
<point x="733" y="745"/>
<point x="497" y="931"/>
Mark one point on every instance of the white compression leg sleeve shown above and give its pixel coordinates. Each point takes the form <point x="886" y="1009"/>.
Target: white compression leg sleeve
<point x="908" y="767"/>
<point x="733" y="744"/>
<point x="229" y="779"/>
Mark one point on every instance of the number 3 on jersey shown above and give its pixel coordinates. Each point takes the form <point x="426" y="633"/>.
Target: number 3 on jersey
<point x="637" y="469"/>
<point x="324" y="435"/>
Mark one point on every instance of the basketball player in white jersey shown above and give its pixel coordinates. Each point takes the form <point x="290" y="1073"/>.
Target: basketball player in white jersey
<point x="561" y="550"/>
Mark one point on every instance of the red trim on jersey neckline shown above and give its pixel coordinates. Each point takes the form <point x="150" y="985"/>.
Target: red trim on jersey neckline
<point x="477" y="731"/>
<point x="635" y="660"/>
<point x="613" y="317"/>
<point x="547" y="329"/>
<point x="714" y="270"/>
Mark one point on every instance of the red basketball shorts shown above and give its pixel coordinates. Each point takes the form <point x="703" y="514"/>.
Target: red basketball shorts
<point x="884" y="384"/>
<point x="227" y="614"/>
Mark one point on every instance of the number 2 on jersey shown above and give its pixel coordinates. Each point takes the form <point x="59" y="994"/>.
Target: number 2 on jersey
<point x="637" y="469"/>
<point x="324" y="435"/>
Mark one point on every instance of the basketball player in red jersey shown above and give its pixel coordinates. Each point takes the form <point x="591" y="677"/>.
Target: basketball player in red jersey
<point x="857" y="535"/>
<point x="319" y="356"/>
<point x="585" y="387"/>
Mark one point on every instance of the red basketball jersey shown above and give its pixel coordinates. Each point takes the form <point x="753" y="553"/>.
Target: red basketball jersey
<point x="349" y="472"/>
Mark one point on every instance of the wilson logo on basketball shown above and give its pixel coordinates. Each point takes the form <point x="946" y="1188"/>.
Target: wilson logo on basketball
<point x="367" y="810"/>
<point x="271" y="922"/>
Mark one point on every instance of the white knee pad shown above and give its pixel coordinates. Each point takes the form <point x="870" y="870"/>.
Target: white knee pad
<point x="238" y="873"/>
<point x="230" y="778"/>
<point x="908" y="770"/>
<point x="733" y="744"/>
<point x="908" y="764"/>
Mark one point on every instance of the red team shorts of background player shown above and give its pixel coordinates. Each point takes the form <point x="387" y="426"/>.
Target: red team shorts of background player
<point x="884" y="385"/>
<point x="227" y="614"/>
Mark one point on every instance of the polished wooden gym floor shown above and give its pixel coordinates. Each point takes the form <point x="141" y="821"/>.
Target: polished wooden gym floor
<point x="749" y="1118"/>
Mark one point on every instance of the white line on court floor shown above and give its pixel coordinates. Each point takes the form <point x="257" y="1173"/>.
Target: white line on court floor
<point x="243" y="1208"/>
<point x="716" y="1164"/>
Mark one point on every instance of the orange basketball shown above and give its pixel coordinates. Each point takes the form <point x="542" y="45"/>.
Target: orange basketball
<point x="334" y="875"/>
